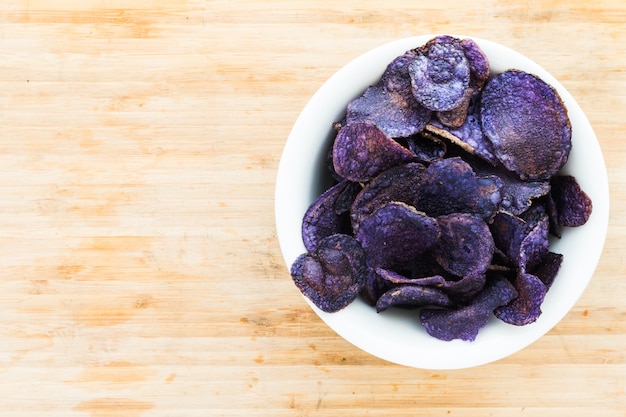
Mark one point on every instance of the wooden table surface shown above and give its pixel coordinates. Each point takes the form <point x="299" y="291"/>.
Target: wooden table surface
<point x="140" y="273"/>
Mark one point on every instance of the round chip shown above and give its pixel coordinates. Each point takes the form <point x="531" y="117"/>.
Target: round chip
<point x="478" y="62"/>
<point x="412" y="296"/>
<point x="526" y="308"/>
<point x="548" y="268"/>
<point x="361" y="151"/>
<point x="373" y="287"/>
<point x="465" y="246"/>
<point x="440" y="74"/>
<point x="527" y="123"/>
<point x="396" y="76"/>
<point x="399" y="183"/>
<point x="573" y="205"/>
<point x="328" y="214"/>
<point x="464" y="323"/>
<point x="451" y="186"/>
<point x="395" y="234"/>
<point x="334" y="275"/>
<point x="396" y="114"/>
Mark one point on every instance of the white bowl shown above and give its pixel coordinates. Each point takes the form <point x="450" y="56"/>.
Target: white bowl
<point x="397" y="336"/>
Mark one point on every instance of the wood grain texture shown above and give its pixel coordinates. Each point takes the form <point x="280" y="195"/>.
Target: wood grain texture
<point x="140" y="273"/>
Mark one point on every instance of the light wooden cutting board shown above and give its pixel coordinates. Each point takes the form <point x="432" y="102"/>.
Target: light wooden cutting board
<point x="140" y="272"/>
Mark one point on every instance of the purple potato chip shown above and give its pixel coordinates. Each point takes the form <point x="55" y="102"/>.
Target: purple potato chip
<point x="450" y="186"/>
<point x="517" y="195"/>
<point x="465" y="246"/>
<point x="464" y="323"/>
<point x="573" y="205"/>
<point x="361" y="151"/>
<point x="440" y="74"/>
<point x="412" y="296"/>
<point x="526" y="308"/>
<point x="479" y="73"/>
<point x="345" y="199"/>
<point x="373" y="287"/>
<point x="329" y="214"/>
<point x="396" y="76"/>
<point x="535" y="244"/>
<point x="399" y="183"/>
<point x="507" y="231"/>
<point x="548" y="268"/>
<point x="527" y="123"/>
<point x="396" y="233"/>
<point x="334" y="275"/>
<point x="393" y="279"/>
<point x="478" y="63"/>
<point x="396" y="114"/>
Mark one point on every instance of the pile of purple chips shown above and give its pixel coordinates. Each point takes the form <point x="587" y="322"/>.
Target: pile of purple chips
<point x="447" y="191"/>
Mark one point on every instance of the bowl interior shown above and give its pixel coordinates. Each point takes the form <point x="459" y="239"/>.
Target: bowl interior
<point x="396" y="335"/>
